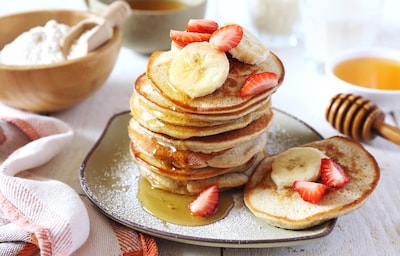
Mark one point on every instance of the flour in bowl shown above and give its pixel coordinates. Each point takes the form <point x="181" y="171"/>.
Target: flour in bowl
<point x="41" y="45"/>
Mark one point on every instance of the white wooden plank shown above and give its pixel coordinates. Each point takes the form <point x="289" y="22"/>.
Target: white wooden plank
<point x="169" y="248"/>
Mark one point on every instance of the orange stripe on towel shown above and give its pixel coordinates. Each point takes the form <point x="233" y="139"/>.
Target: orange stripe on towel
<point x="24" y="127"/>
<point x="28" y="250"/>
<point x="133" y="243"/>
<point x="40" y="234"/>
<point x="149" y="245"/>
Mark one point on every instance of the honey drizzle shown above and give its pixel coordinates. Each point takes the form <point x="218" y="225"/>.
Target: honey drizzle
<point x="174" y="208"/>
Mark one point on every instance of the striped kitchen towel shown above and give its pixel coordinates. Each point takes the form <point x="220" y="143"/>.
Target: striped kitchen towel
<point x="41" y="216"/>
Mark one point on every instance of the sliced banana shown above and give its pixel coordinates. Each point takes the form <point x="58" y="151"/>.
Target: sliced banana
<point x="198" y="69"/>
<point x="250" y="50"/>
<point x="298" y="163"/>
<point x="175" y="47"/>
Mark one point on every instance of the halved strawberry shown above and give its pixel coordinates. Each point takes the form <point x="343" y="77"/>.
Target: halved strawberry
<point x="258" y="82"/>
<point x="332" y="174"/>
<point x="201" y="26"/>
<point x="206" y="202"/>
<point x="183" y="38"/>
<point x="227" y="37"/>
<point x="310" y="191"/>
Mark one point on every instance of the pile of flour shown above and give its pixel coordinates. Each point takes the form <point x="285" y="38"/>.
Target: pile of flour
<point x="41" y="45"/>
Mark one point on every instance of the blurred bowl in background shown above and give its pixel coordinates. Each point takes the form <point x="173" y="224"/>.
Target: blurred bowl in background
<point x="147" y="28"/>
<point x="373" y="73"/>
<point x="53" y="87"/>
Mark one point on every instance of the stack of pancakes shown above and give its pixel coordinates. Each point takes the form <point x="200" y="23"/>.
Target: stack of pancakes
<point x="184" y="144"/>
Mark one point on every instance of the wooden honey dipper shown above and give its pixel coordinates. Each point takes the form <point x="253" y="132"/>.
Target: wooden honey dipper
<point x="359" y="118"/>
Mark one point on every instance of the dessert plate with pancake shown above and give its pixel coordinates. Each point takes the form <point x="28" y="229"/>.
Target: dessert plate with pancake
<point x="110" y="180"/>
<point x="200" y="157"/>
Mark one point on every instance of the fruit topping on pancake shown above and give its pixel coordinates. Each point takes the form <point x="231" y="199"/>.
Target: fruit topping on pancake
<point x="250" y="50"/>
<point x="201" y="26"/>
<point x="227" y="37"/>
<point x="198" y="69"/>
<point x="301" y="168"/>
<point x="201" y="66"/>
<point x="298" y="163"/>
<point x="259" y="82"/>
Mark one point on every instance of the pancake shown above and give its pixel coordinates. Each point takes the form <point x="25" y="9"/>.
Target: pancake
<point x="150" y="98"/>
<point x="227" y="98"/>
<point x="284" y="208"/>
<point x="174" y="158"/>
<point x="208" y="144"/>
<point x="239" y="154"/>
<point x="155" y="165"/>
<point x="151" y="121"/>
<point x="225" y="181"/>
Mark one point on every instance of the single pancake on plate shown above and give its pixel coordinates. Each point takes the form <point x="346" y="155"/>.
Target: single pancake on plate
<point x="283" y="207"/>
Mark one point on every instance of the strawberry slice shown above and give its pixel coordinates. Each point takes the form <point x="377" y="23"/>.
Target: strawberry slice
<point x="201" y="26"/>
<point x="227" y="37"/>
<point x="257" y="83"/>
<point x="206" y="202"/>
<point x="309" y="191"/>
<point x="332" y="174"/>
<point x="183" y="38"/>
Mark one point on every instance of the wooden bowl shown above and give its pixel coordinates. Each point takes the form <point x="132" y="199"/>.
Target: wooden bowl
<point x="53" y="87"/>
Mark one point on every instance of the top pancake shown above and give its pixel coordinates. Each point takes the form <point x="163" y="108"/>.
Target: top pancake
<point x="227" y="98"/>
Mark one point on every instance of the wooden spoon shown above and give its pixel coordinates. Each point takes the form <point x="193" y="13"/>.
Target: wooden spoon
<point x="359" y="118"/>
<point x="114" y="15"/>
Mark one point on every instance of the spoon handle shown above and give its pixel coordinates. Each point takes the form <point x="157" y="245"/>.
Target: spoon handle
<point x="116" y="13"/>
<point x="388" y="131"/>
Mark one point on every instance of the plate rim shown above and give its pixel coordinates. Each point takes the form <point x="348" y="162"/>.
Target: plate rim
<point x="212" y="242"/>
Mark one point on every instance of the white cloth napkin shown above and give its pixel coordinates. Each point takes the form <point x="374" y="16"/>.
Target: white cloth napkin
<point x="43" y="216"/>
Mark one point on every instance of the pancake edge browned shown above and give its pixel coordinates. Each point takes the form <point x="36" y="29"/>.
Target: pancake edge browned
<point x="151" y="121"/>
<point x="156" y="166"/>
<point x="224" y="181"/>
<point x="338" y="149"/>
<point x="209" y="144"/>
<point x="175" y="158"/>
<point x="205" y="119"/>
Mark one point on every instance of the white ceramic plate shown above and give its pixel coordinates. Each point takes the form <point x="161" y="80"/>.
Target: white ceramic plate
<point x="109" y="178"/>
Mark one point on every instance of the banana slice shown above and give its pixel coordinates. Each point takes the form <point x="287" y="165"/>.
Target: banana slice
<point x="298" y="163"/>
<point x="198" y="69"/>
<point x="250" y="50"/>
<point x="175" y="47"/>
